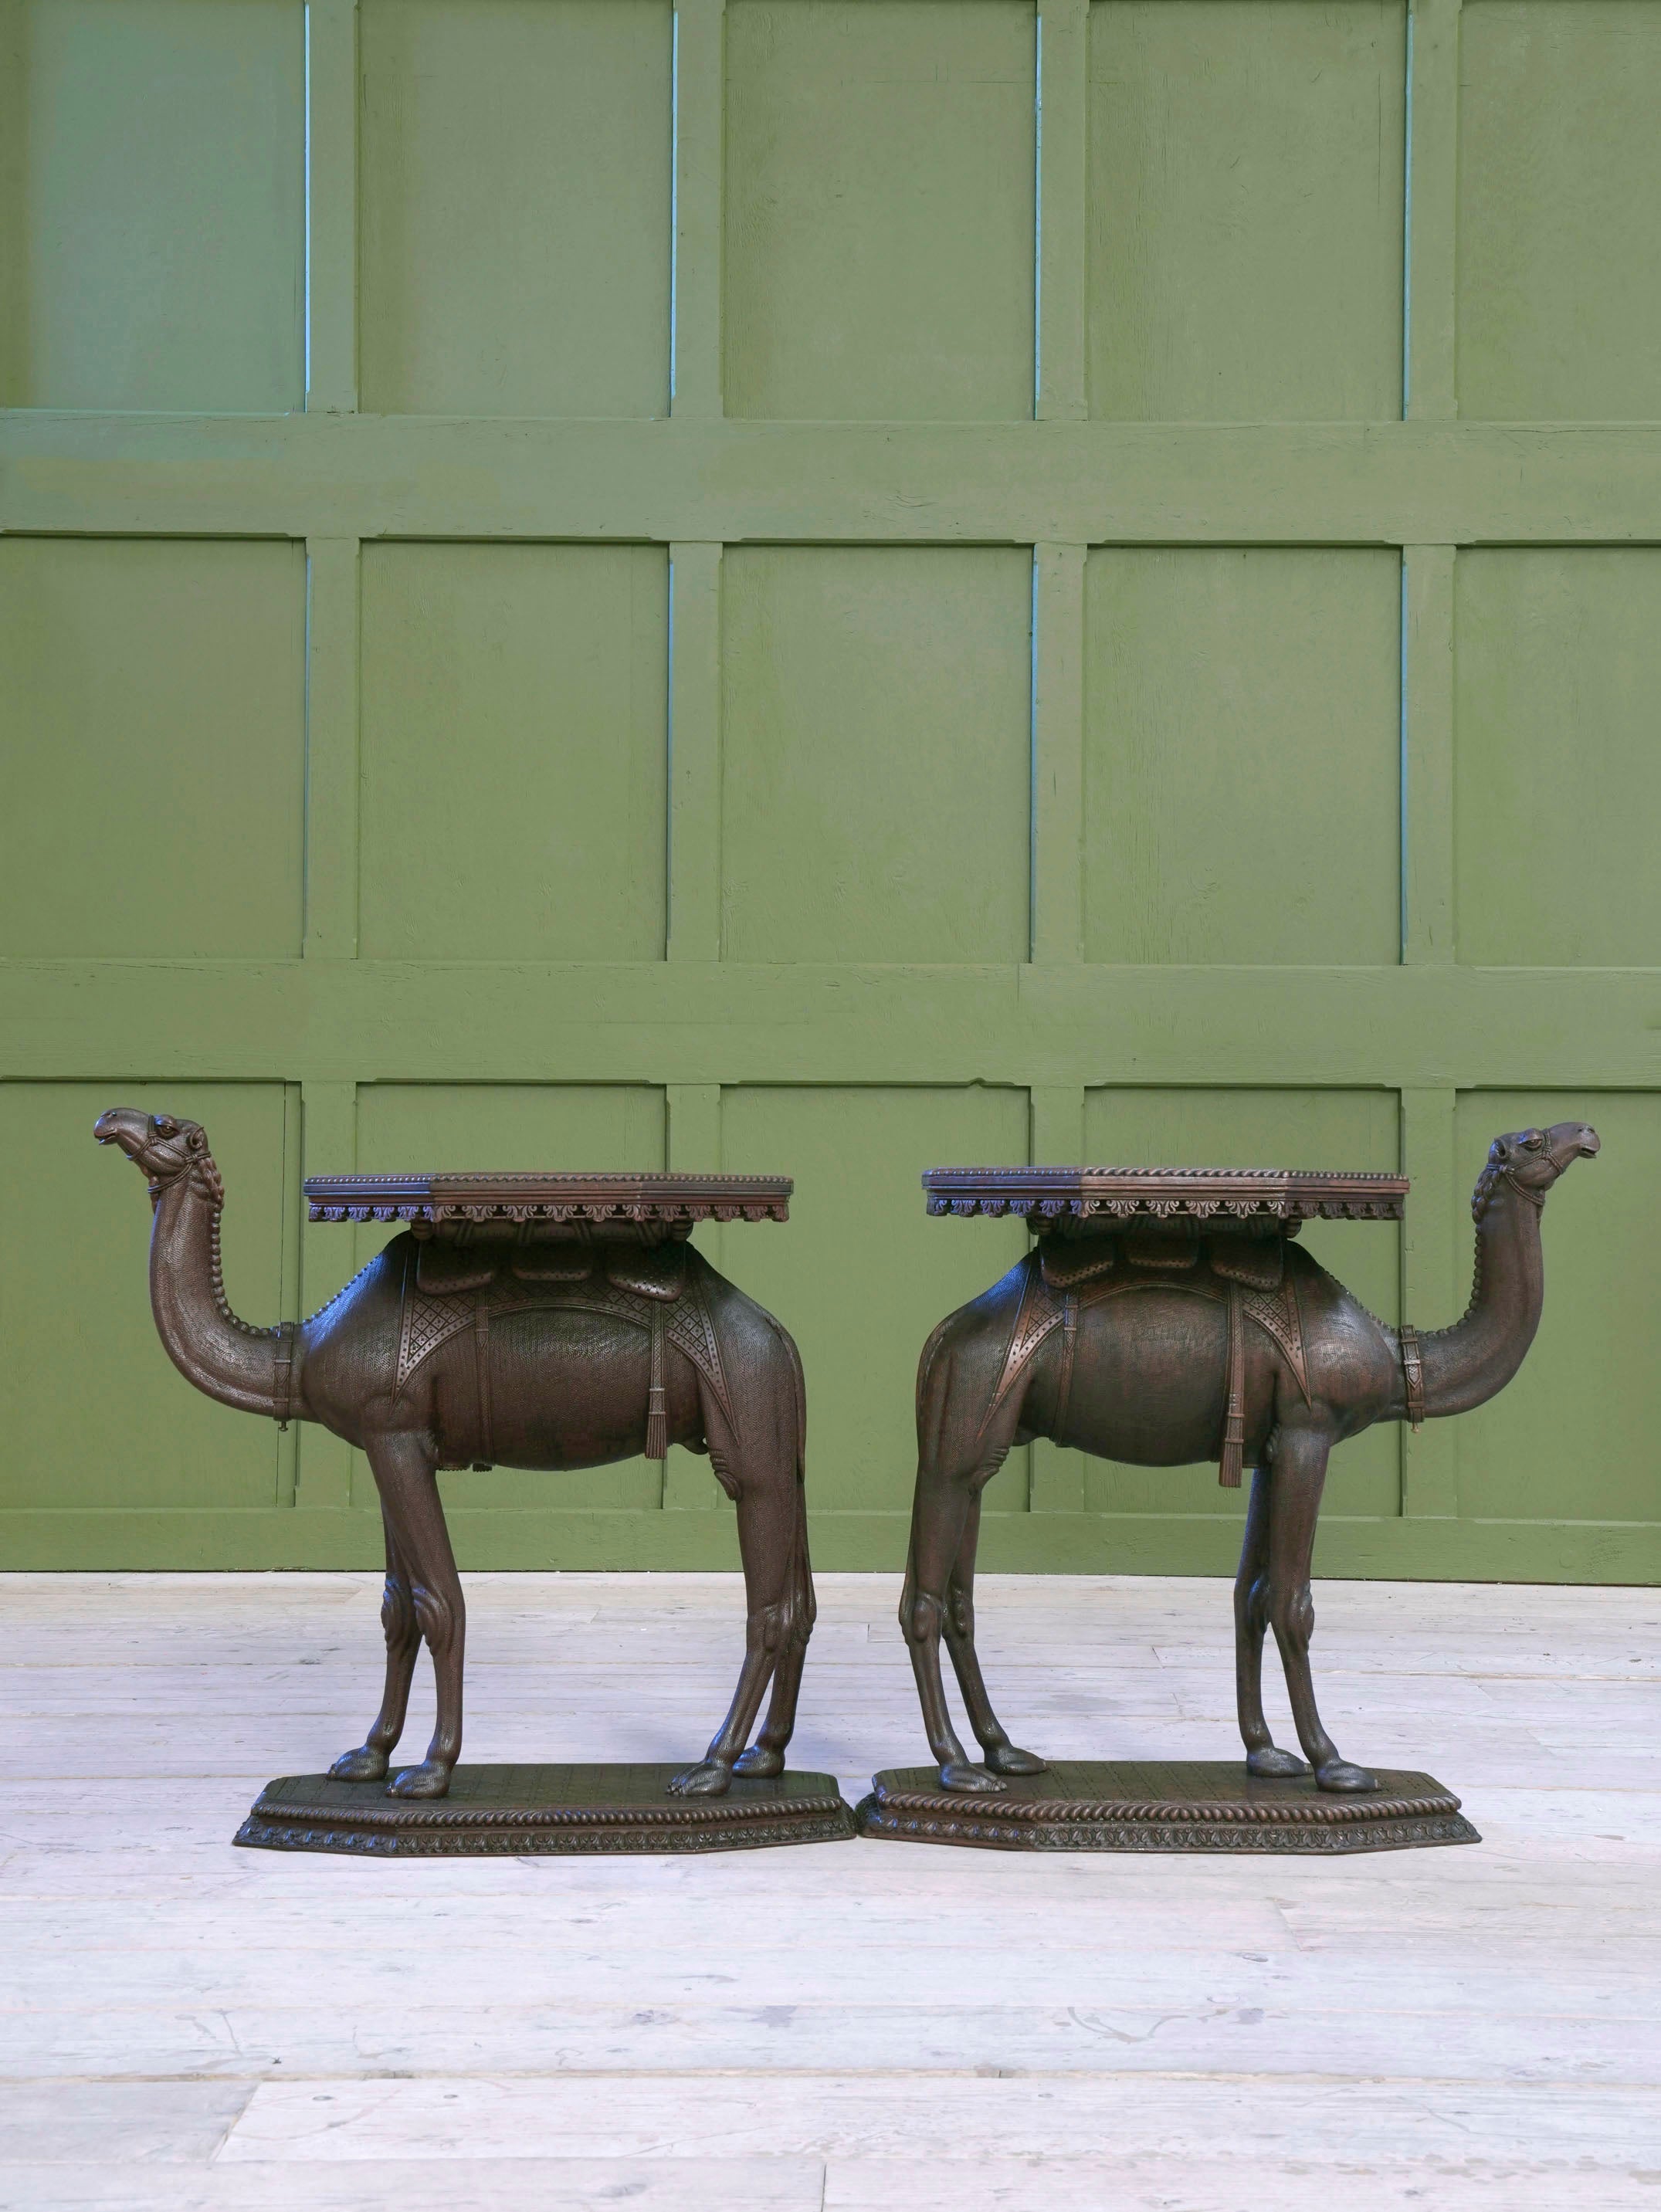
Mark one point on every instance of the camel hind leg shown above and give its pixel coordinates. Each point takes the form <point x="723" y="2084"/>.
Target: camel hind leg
<point x="1001" y="1756"/>
<point x="762" y="1475"/>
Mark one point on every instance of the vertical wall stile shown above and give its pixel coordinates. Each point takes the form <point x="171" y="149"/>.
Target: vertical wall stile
<point x="1433" y="212"/>
<point x="693" y="1129"/>
<point x="1428" y="906"/>
<point x="1056" y="1483"/>
<point x="1058" y="753"/>
<point x="328" y="1146"/>
<point x="700" y="154"/>
<point x="288" y="1440"/>
<point x="332" y="748"/>
<point x="332" y="207"/>
<point x="1432" y="1293"/>
<point x="694" y="752"/>
<point x="1063" y="69"/>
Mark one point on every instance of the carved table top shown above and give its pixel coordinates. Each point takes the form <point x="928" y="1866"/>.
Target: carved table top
<point x="1222" y="1197"/>
<point x="672" y="1201"/>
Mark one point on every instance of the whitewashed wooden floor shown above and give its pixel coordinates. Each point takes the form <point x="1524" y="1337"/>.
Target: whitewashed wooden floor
<point x="864" y="2027"/>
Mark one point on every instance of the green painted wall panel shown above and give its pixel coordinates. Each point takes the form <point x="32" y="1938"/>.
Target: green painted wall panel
<point x="92" y="1411"/>
<point x="1560" y="176"/>
<point x="515" y="736"/>
<point x="515" y="163"/>
<point x="152" y="748"/>
<point x="1246" y="209"/>
<point x="1358" y="1129"/>
<point x="875" y="795"/>
<point x="929" y="887"/>
<point x="879" y="208"/>
<point x="1242" y="755"/>
<point x="1573" y="1439"/>
<point x="1557" y="771"/>
<point x="860" y="1274"/>
<point x="513" y="1125"/>
<point x="152" y="228"/>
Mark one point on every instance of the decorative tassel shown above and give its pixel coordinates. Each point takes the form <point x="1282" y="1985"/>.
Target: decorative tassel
<point x="657" y="1408"/>
<point x="1233" y="1454"/>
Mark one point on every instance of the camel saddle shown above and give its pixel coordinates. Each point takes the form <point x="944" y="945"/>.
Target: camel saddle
<point x="1249" y="1276"/>
<point x="452" y="1285"/>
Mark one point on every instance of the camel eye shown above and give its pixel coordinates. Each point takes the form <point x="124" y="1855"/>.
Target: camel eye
<point x="165" y="1126"/>
<point x="1537" y="1143"/>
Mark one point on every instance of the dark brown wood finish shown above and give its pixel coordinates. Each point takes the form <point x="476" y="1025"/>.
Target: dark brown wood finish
<point x="1157" y="1806"/>
<point x="491" y="1811"/>
<point x="1164" y="1316"/>
<point x="524" y="1320"/>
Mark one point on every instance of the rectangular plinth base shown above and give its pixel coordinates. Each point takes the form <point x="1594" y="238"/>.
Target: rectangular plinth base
<point x="520" y="1810"/>
<point x="1155" y="1806"/>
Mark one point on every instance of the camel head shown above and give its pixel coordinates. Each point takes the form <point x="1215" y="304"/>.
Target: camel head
<point x="164" y="1146"/>
<point x="1531" y="1161"/>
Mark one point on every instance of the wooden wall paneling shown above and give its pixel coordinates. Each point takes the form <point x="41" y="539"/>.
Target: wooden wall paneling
<point x="876" y="799"/>
<point x="1063" y="200"/>
<point x="1435" y="1277"/>
<point x="1057" y="1139"/>
<point x="1247" y="209"/>
<point x="1568" y="1446"/>
<point x="157" y="205"/>
<point x="97" y="1419"/>
<point x="694" y="1142"/>
<point x="331" y="206"/>
<point x="694" y="713"/>
<point x="1559" y="166"/>
<point x="1242" y="756"/>
<point x="880" y="206"/>
<point x="515" y="184"/>
<point x="152" y="698"/>
<point x="700" y="88"/>
<point x="1432" y="185"/>
<point x="958" y="836"/>
<point x="540" y="671"/>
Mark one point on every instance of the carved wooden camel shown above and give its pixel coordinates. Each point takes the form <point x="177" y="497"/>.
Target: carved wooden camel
<point x="553" y="1371"/>
<point x="1141" y="1378"/>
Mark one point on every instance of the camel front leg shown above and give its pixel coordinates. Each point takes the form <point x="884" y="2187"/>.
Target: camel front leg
<point x="404" y="1467"/>
<point x="1263" y="1755"/>
<point x="397" y="1620"/>
<point x="766" y="1754"/>
<point x="939" y="1520"/>
<point x="1001" y="1757"/>
<point x="1298" y="1477"/>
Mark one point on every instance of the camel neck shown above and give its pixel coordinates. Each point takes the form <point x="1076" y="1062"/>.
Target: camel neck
<point x="205" y="1340"/>
<point x="1466" y="1364"/>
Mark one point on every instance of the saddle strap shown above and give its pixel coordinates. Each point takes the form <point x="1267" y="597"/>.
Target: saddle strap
<point x="657" y="1408"/>
<point x="1413" y="1374"/>
<point x="482" y="1368"/>
<point x="1233" y="1454"/>
<point x="1070" y="1345"/>
<point x="286" y="1333"/>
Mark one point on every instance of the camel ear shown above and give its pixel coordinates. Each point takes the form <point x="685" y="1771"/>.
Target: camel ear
<point x="196" y="1141"/>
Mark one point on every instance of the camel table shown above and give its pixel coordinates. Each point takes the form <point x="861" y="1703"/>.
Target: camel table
<point x="548" y="1321"/>
<point x="1164" y="1316"/>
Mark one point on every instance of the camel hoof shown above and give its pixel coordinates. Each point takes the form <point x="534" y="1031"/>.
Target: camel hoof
<point x="1340" y="1776"/>
<point x="709" y="1778"/>
<point x="360" y="1765"/>
<point x="1010" y="1758"/>
<point x="968" y="1780"/>
<point x="1271" y="1763"/>
<point x="759" y="1760"/>
<point x="430" y="1779"/>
